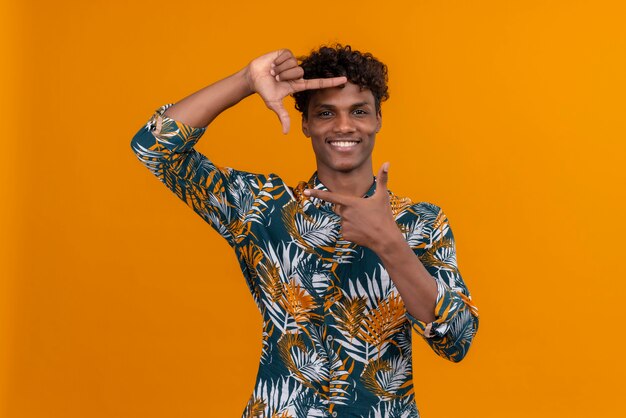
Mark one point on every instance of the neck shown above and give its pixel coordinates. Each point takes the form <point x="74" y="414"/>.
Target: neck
<point x="352" y="183"/>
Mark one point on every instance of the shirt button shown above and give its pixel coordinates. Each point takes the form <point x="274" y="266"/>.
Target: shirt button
<point x="334" y="414"/>
<point x="329" y="338"/>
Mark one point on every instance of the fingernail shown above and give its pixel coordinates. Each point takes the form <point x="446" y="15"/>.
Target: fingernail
<point x="272" y="72"/>
<point x="277" y="79"/>
<point x="307" y="192"/>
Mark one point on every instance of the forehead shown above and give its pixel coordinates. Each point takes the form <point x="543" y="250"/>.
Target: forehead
<point x="341" y="96"/>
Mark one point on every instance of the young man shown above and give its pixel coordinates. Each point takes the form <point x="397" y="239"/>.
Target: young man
<point x="340" y="268"/>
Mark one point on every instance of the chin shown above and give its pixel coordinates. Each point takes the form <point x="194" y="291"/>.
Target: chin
<point x="344" y="168"/>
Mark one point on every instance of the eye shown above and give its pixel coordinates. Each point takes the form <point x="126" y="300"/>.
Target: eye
<point x="360" y="112"/>
<point x="324" y="114"/>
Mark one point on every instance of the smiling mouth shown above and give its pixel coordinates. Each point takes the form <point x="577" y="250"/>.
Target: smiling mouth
<point x="343" y="143"/>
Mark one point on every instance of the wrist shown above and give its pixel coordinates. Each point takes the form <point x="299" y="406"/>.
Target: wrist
<point x="245" y="81"/>
<point x="389" y="241"/>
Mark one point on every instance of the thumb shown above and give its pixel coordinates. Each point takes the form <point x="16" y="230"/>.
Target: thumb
<point x="278" y="108"/>
<point x="382" y="178"/>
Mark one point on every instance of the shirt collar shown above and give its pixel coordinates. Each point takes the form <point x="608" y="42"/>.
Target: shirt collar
<point x="315" y="183"/>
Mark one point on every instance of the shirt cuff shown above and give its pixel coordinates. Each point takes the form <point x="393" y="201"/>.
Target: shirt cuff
<point x="156" y="121"/>
<point x="448" y="303"/>
<point x="172" y="134"/>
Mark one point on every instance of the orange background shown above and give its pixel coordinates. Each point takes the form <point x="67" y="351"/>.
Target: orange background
<point x="117" y="301"/>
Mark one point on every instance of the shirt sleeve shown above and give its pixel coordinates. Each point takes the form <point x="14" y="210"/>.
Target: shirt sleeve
<point x="456" y="317"/>
<point x="223" y="197"/>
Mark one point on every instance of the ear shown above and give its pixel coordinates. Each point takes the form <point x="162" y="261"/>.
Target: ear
<point x="379" y="121"/>
<point x="305" y="126"/>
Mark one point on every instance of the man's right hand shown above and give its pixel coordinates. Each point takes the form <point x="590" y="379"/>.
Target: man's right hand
<point x="276" y="75"/>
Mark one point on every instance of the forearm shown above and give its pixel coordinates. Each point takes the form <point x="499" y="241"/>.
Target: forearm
<point x="415" y="285"/>
<point x="200" y="108"/>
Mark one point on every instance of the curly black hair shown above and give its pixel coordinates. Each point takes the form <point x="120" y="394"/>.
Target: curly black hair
<point x="362" y="69"/>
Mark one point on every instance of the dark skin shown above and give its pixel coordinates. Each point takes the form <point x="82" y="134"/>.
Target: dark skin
<point x="342" y="123"/>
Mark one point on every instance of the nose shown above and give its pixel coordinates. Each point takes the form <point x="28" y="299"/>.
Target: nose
<point x="343" y="123"/>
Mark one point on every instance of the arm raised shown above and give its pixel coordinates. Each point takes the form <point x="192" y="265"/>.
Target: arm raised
<point x="273" y="76"/>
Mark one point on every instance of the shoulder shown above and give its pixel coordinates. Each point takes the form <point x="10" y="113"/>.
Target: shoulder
<point x="259" y="180"/>
<point x="241" y="183"/>
<point x="405" y="208"/>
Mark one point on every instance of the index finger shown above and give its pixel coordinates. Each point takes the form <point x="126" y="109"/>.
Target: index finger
<point x="327" y="196"/>
<point x="319" y="83"/>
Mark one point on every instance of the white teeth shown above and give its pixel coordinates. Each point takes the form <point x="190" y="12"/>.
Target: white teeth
<point x="344" y="144"/>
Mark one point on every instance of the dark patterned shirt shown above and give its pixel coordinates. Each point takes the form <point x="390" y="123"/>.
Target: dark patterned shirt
<point x="336" y="334"/>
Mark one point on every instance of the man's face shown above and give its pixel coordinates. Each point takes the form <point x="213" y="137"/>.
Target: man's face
<point x="342" y="123"/>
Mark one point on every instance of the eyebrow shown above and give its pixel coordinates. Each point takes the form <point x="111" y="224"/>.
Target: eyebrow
<point x="329" y="106"/>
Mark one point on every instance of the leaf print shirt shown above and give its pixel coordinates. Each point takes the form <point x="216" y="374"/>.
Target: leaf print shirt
<point x="336" y="334"/>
